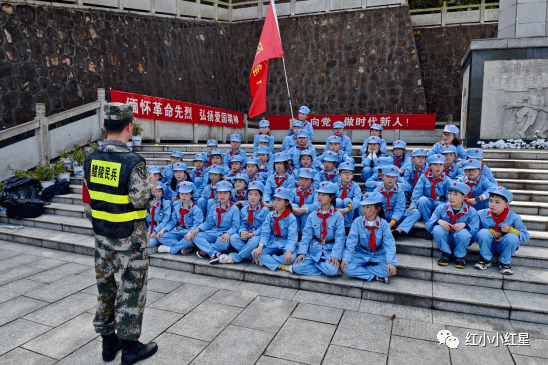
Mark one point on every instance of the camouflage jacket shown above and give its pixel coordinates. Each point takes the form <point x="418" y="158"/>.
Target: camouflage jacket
<point x="141" y="193"/>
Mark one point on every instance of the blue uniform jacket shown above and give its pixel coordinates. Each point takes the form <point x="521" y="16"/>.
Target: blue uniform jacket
<point x="197" y="176"/>
<point x="289" y="142"/>
<point x="259" y="215"/>
<point x="271" y="185"/>
<point x="404" y="163"/>
<point x="454" y="171"/>
<point x="353" y="194"/>
<point x="315" y="181"/>
<point x="409" y="175"/>
<point x="470" y="217"/>
<point x="382" y="148"/>
<point x="358" y="238"/>
<point x="206" y="192"/>
<point x="480" y="186"/>
<point x="307" y="128"/>
<point x="229" y="153"/>
<point x="332" y="176"/>
<point x="486" y="221"/>
<point x="230" y="220"/>
<point x="335" y="230"/>
<point x="168" y="173"/>
<point x="172" y="192"/>
<point x="193" y="218"/>
<point x="208" y="157"/>
<point x="288" y="229"/>
<point x="295" y="154"/>
<point x="439" y="147"/>
<point x="486" y="172"/>
<point x="238" y="197"/>
<point x="376" y="180"/>
<point x="366" y="161"/>
<point x="346" y="145"/>
<point x="162" y="215"/>
<point x="424" y="185"/>
<point x="397" y="202"/>
<point x="342" y="157"/>
<point x="310" y="202"/>
<point x="270" y="143"/>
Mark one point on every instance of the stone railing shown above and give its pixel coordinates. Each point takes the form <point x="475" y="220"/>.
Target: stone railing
<point x="453" y="15"/>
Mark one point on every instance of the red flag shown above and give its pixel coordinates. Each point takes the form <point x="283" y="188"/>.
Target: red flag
<point x="270" y="46"/>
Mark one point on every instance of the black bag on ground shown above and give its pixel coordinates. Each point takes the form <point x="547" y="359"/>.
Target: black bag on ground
<point x="59" y="188"/>
<point x="20" y="197"/>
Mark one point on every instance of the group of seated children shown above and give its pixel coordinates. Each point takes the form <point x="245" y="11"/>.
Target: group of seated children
<point x="301" y="211"/>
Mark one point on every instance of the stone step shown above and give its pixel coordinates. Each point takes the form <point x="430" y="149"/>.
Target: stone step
<point x="517" y="164"/>
<point x="530" y="208"/>
<point x="523" y="184"/>
<point x="53" y="222"/>
<point x="530" y="195"/>
<point x="521" y="174"/>
<point x="65" y="210"/>
<point x="72" y="198"/>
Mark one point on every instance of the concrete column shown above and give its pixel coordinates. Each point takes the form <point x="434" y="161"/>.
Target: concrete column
<point x="43" y="132"/>
<point x="101" y="96"/>
<point x="523" y="18"/>
<point x="157" y="131"/>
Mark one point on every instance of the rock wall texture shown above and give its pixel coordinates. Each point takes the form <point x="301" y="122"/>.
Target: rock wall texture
<point x="440" y="51"/>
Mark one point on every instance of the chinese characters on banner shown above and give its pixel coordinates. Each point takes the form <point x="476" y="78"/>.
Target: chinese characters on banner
<point x="387" y="121"/>
<point x="149" y="107"/>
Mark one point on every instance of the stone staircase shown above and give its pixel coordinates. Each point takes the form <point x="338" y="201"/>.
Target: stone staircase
<point x="420" y="282"/>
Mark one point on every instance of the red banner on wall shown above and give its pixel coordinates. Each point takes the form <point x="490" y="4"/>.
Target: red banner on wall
<point x="149" y="107"/>
<point x="387" y="121"/>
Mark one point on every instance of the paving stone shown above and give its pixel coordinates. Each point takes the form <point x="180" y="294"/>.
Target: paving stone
<point x="529" y="307"/>
<point x="526" y="360"/>
<point x="18" y="307"/>
<point x="327" y="300"/>
<point x="18" y="332"/>
<point x="263" y="275"/>
<point x="21" y="356"/>
<point x="186" y="277"/>
<point x="92" y="290"/>
<point x="232" y="297"/>
<point x="89" y="354"/>
<point x="266" y="314"/>
<point x="184" y="299"/>
<point x="405" y="350"/>
<point x="79" y="259"/>
<point x="65" y="339"/>
<point x="472" y="321"/>
<point x="62" y="288"/>
<point x="48" y="263"/>
<point x="527" y="279"/>
<point x="302" y="341"/>
<point x="337" y="355"/>
<point x="267" y="290"/>
<point x="535" y="330"/>
<point x="173" y="348"/>
<point x="6" y="254"/>
<point x="90" y="273"/>
<point x="318" y="313"/>
<point x="235" y="342"/>
<point x="363" y="331"/>
<point x="536" y="348"/>
<point x="58" y="273"/>
<point x="17" y="288"/>
<point x="162" y="286"/>
<point x="18" y="272"/>
<point x="490" y="354"/>
<point x="401" y="311"/>
<point x="416" y="329"/>
<point x="205" y="321"/>
<point x="153" y="296"/>
<point x="155" y="322"/>
<point x="267" y="360"/>
<point x="63" y="310"/>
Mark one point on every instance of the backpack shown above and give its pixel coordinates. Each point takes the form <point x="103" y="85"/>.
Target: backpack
<point x="59" y="188"/>
<point x="20" y="197"/>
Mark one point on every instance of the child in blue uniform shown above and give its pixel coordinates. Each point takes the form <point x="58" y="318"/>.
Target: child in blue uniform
<point x="199" y="171"/>
<point x="290" y="141"/>
<point x="346" y="143"/>
<point x="399" y="157"/>
<point x="235" y="168"/>
<point x="376" y="178"/>
<point x="417" y="168"/>
<point x="235" y="143"/>
<point x="370" y="152"/>
<point x="449" y="136"/>
<point x="176" y="156"/>
<point x="375" y="130"/>
<point x="156" y="170"/>
<point x="330" y="172"/>
<point x="278" y="234"/>
<point x="307" y="162"/>
<point x="452" y="169"/>
<point x="252" y="217"/>
<point x="501" y="231"/>
<point x="239" y="193"/>
<point x="264" y="130"/>
<point x="370" y="248"/>
<point x="302" y="144"/>
<point x="180" y="174"/>
<point x="322" y="244"/>
<point x="158" y="216"/>
<point x="209" y="192"/>
<point x="280" y="179"/>
<point x="307" y="126"/>
<point x="211" y="145"/>
<point x="430" y="191"/>
<point x="216" y="159"/>
<point x="477" y="154"/>
<point x="303" y="197"/>
<point x="185" y="218"/>
<point x="252" y="169"/>
<point x="348" y="194"/>
<point x="335" y="146"/>
<point x="478" y="197"/>
<point x="453" y="225"/>
<point x="393" y="196"/>
<point x="266" y="162"/>
<point x="223" y="220"/>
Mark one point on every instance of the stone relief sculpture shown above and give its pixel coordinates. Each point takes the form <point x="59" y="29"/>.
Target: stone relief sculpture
<point x="528" y="109"/>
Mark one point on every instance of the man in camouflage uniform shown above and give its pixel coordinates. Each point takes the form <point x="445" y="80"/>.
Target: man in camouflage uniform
<point x="117" y="190"/>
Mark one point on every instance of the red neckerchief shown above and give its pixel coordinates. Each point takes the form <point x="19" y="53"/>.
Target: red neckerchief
<point x="232" y="154"/>
<point x="449" y="211"/>
<point x="328" y="176"/>
<point x="183" y="212"/>
<point x="278" y="181"/>
<point x="301" y="148"/>
<point x="498" y="220"/>
<point x="250" y="218"/>
<point x="198" y="172"/>
<point x="398" y="160"/>
<point x="290" y="169"/>
<point x="263" y="169"/>
<point x="448" y="169"/>
<point x="221" y="211"/>
<point x="471" y="184"/>
<point x="434" y="181"/>
<point x="209" y="162"/>
<point x="157" y="205"/>
<point x="324" y="217"/>
<point x="277" y="230"/>
<point x="239" y="196"/>
<point x="212" y="196"/>
<point x="372" y="243"/>
<point x="344" y="194"/>
<point x="303" y="194"/>
<point x="388" y="195"/>
<point x="266" y="134"/>
<point x="416" y="177"/>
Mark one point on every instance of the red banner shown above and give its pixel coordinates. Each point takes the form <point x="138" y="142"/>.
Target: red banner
<point x="149" y="107"/>
<point x="387" y="121"/>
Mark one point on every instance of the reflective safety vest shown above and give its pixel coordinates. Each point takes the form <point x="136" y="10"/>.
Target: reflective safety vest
<point x="107" y="179"/>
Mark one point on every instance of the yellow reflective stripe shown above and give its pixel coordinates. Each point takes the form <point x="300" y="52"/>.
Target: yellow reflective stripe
<point x="119" y="217"/>
<point x="109" y="198"/>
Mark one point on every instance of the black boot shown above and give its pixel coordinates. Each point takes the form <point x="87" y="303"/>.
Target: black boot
<point x="111" y="346"/>
<point x="134" y="351"/>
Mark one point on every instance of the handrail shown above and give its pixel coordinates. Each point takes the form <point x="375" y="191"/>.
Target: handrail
<point x="74" y="112"/>
<point x="19" y="129"/>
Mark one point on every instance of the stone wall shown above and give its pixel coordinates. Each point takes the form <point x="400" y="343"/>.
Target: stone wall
<point x="440" y="51"/>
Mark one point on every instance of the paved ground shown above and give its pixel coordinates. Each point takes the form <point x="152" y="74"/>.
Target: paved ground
<point x="47" y="301"/>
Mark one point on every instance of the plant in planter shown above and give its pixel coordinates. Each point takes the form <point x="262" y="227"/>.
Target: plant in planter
<point x="23" y="173"/>
<point x="66" y="158"/>
<point x="137" y="130"/>
<point x="79" y="156"/>
<point x="93" y="145"/>
<point x="44" y="173"/>
<point x="59" y="170"/>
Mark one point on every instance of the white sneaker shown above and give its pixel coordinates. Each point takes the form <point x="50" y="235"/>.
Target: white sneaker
<point x="164" y="249"/>
<point x="226" y="259"/>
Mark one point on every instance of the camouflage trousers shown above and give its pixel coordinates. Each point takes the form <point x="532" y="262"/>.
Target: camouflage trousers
<point x="120" y="305"/>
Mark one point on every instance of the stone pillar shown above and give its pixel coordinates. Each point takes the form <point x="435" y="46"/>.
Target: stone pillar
<point x="523" y="18"/>
<point x="43" y="132"/>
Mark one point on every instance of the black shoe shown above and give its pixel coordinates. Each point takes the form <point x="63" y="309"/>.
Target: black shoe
<point x="505" y="269"/>
<point x="460" y="263"/>
<point x="443" y="260"/>
<point x="396" y="233"/>
<point x="427" y="235"/>
<point x="482" y="264"/>
<point x="134" y="351"/>
<point x="111" y="346"/>
<point x="382" y="280"/>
